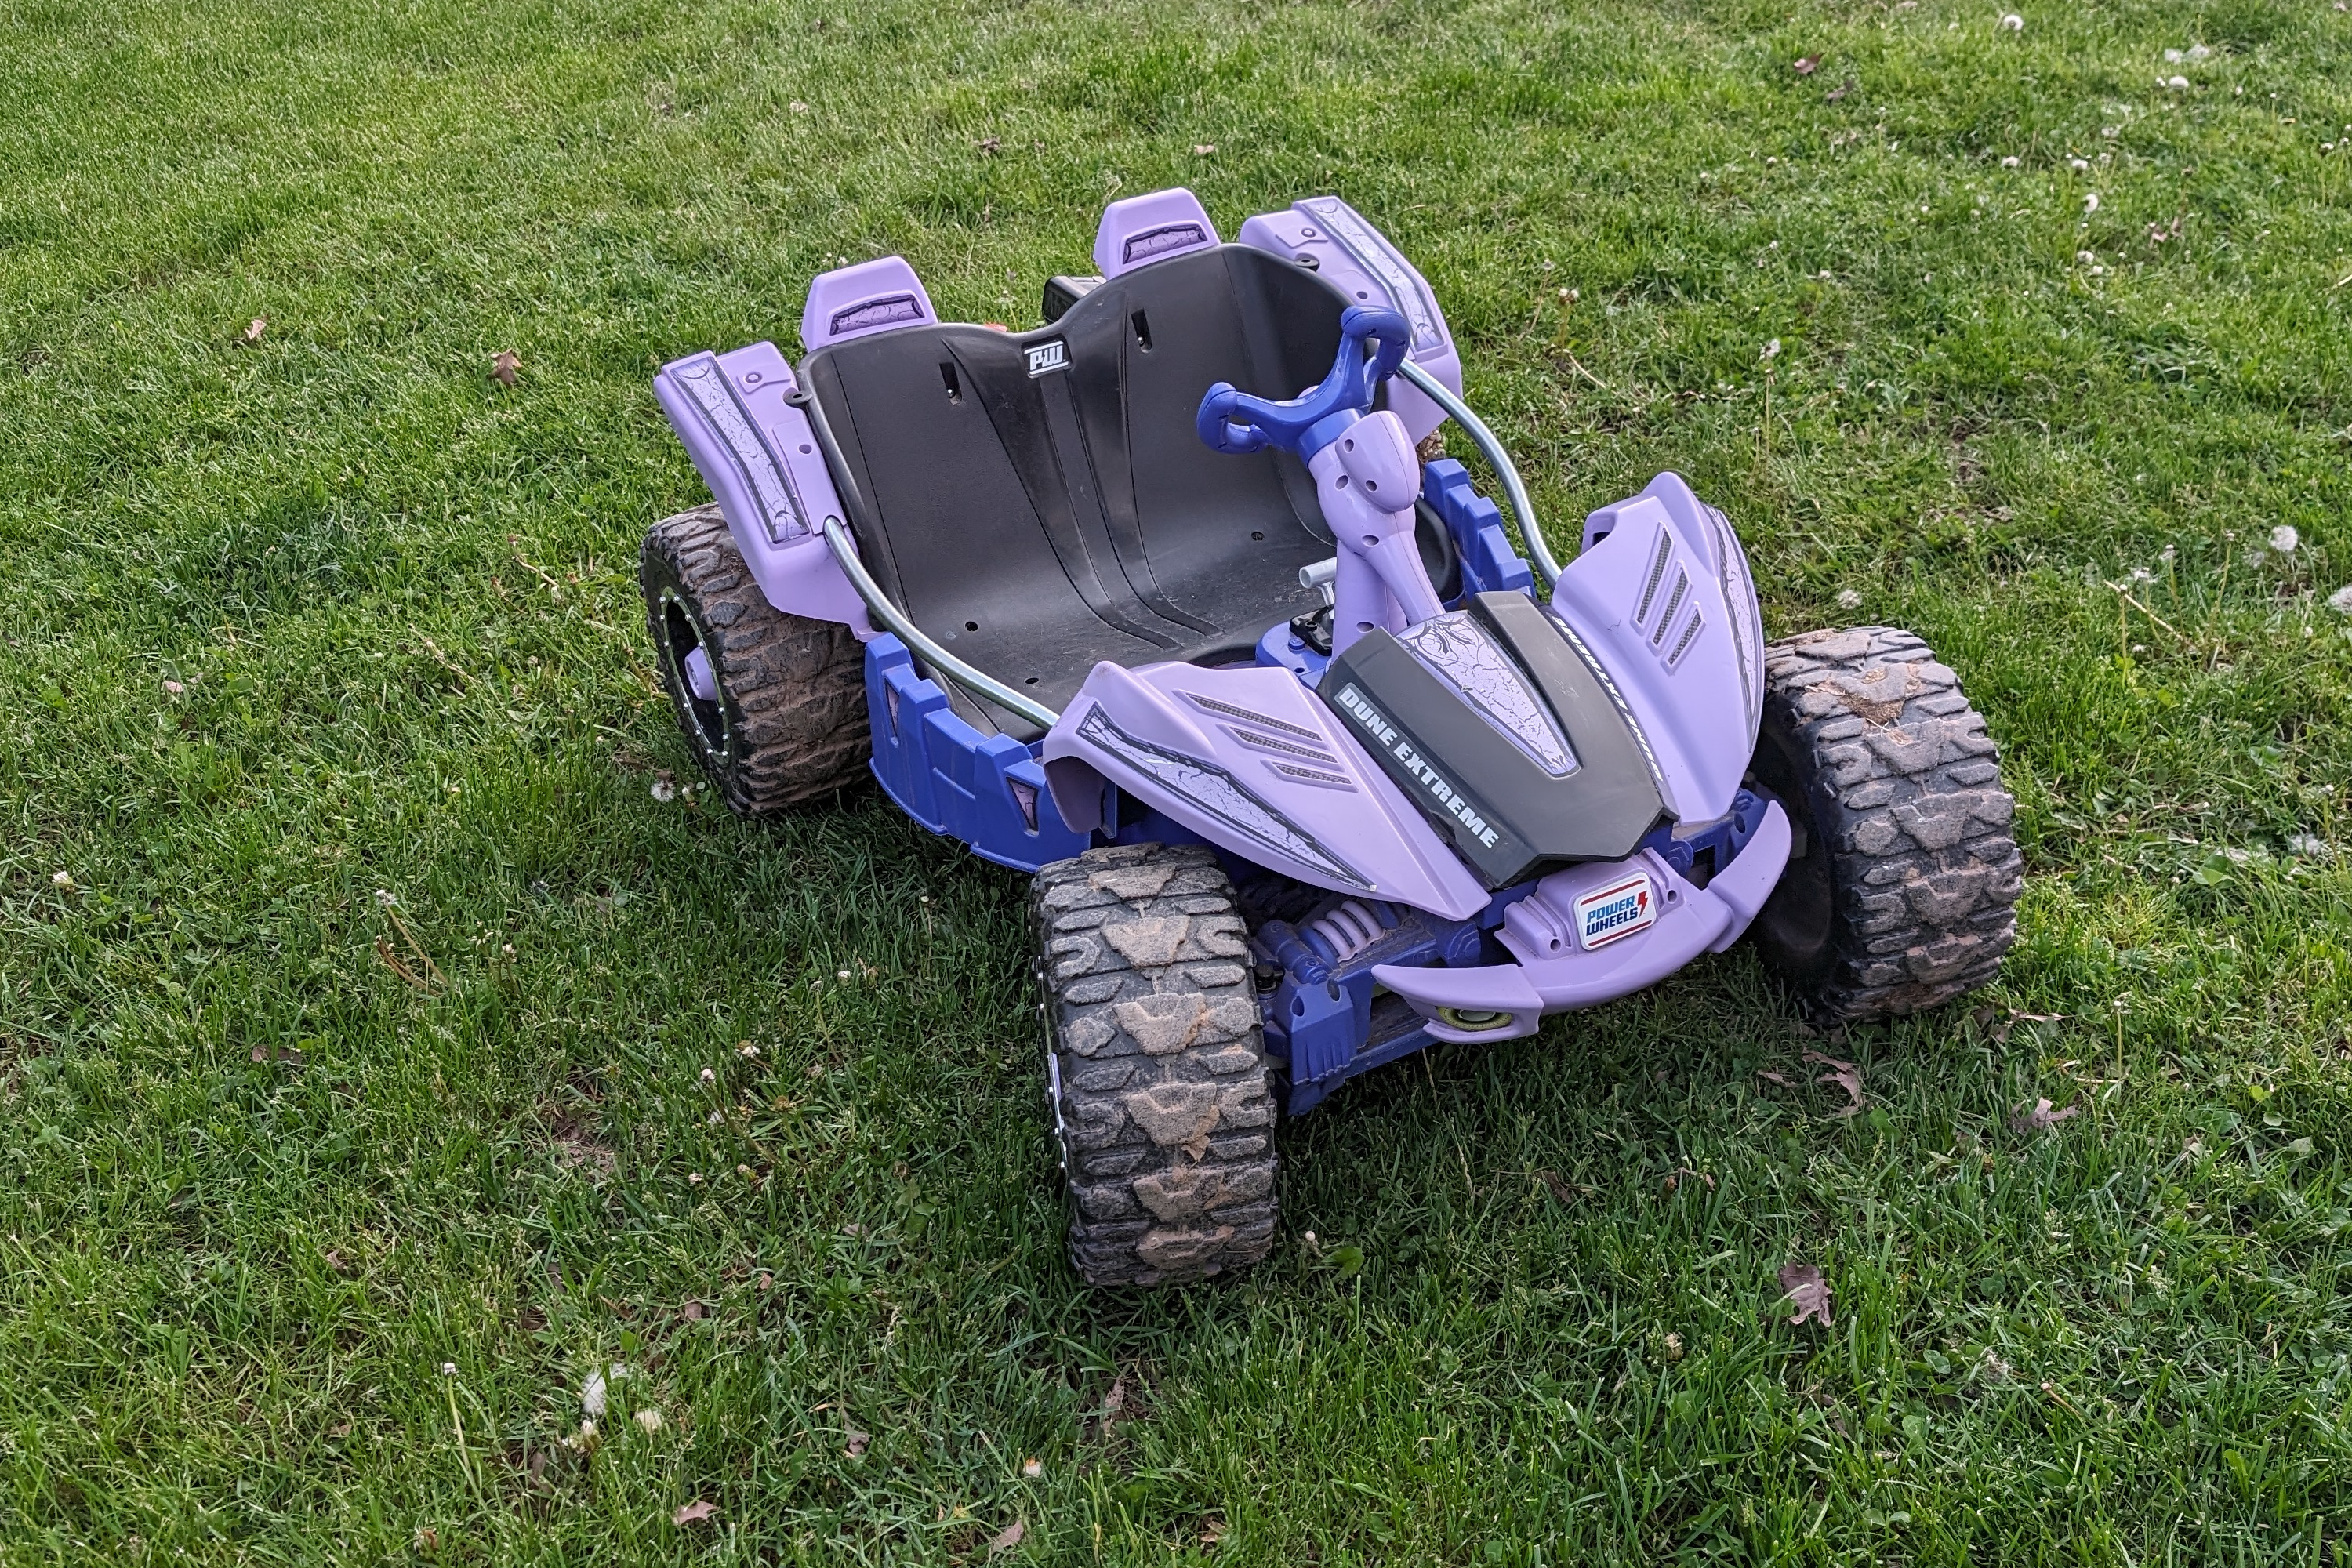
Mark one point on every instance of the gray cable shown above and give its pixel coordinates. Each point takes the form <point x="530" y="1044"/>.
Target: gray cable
<point x="941" y="660"/>
<point x="1539" y="552"/>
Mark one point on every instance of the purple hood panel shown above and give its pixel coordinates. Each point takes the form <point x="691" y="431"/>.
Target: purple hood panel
<point x="1249" y="759"/>
<point x="1592" y="933"/>
<point x="1662" y="595"/>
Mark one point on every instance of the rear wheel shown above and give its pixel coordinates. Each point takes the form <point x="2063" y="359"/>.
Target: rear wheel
<point x="1155" y="1065"/>
<point x="774" y="705"/>
<point x="1901" y="891"/>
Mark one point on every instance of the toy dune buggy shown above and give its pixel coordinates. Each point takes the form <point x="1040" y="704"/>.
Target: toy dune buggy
<point x="1310" y="766"/>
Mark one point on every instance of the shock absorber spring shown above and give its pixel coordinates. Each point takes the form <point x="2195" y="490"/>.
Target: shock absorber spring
<point x="1349" y="928"/>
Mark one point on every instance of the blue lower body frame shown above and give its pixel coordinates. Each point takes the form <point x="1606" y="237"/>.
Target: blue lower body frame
<point x="1325" y="1022"/>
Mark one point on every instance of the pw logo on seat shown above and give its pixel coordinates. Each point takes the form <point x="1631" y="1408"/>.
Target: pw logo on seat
<point x="1048" y="356"/>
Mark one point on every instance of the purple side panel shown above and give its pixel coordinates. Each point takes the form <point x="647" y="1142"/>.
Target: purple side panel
<point x="1663" y="599"/>
<point x="986" y="790"/>
<point x="1345" y="249"/>
<point x="1143" y="230"/>
<point x="854" y="301"/>
<point x="1251" y="761"/>
<point x="1556" y="974"/>
<point x="759" y="457"/>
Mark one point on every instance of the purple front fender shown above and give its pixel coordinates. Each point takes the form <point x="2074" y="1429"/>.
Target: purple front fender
<point x="1558" y="973"/>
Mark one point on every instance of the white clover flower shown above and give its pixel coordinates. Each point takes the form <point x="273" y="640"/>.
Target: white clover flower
<point x="2340" y="601"/>
<point x="2091" y="202"/>
<point x="1771" y="350"/>
<point x="665" y="791"/>
<point x="2167" y="555"/>
<point x="710" y="1076"/>
<point x="1848" y="599"/>
<point x="2012" y="23"/>
<point x="2283" y="539"/>
<point x="2172" y="57"/>
<point x="2310" y="846"/>
<point x="2011" y="162"/>
<point x="61" y="878"/>
<point x="2080" y="165"/>
<point x="650" y="1420"/>
<point x="2197" y="51"/>
<point x="2178" y="83"/>
<point x="2142" y="575"/>
<point x="2087" y="257"/>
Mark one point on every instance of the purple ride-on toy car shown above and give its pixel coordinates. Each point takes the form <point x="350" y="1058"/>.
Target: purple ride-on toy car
<point x="1310" y="767"/>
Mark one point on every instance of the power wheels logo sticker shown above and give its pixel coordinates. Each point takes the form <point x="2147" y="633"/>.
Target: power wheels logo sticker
<point x="1377" y="730"/>
<point x="1619" y="909"/>
<point x="1048" y="357"/>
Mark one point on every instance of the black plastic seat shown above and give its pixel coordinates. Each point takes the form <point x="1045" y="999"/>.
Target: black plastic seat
<point x="1036" y="524"/>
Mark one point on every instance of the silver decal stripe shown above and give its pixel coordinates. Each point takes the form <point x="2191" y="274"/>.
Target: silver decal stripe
<point x="1560" y="624"/>
<point x="1214" y="791"/>
<point x="1690" y="636"/>
<point x="1665" y="552"/>
<point x="1314" y="775"/>
<point x="772" y="491"/>
<point x="1356" y="237"/>
<point x="1454" y="649"/>
<point x="1263" y="721"/>
<point x="1673" y="605"/>
<point x="1290" y="748"/>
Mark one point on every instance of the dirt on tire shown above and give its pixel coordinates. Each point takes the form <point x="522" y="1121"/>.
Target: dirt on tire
<point x="1902" y="891"/>
<point x="788" y="723"/>
<point x="1162" y="1100"/>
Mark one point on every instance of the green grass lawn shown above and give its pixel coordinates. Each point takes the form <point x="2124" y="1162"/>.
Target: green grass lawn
<point x="323" y="655"/>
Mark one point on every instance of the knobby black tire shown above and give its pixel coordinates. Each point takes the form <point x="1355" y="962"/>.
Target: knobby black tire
<point x="1902" y="890"/>
<point x="1165" y="1111"/>
<point x="789" y="724"/>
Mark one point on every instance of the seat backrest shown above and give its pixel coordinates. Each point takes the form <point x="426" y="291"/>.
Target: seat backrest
<point x="1041" y="501"/>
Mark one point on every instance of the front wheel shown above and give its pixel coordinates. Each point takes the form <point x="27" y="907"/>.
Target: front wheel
<point x="1901" y="891"/>
<point x="1155" y="1064"/>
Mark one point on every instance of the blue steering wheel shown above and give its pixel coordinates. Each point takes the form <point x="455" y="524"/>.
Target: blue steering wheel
<point x="1231" y="420"/>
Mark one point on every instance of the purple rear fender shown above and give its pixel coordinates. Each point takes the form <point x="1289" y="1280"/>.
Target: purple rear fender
<point x="759" y="456"/>
<point x="1250" y="759"/>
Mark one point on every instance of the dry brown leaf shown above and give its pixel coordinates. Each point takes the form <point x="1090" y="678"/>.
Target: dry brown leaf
<point x="1676" y="1180"/>
<point x="2041" y="1117"/>
<point x="858" y="1441"/>
<point x="335" y="1260"/>
<point x="1808" y="65"/>
<point x="693" y="1312"/>
<point x="1803" y="1286"/>
<point x="504" y="366"/>
<point x="1008" y="1538"/>
<point x="427" y="1538"/>
<point x="254" y="328"/>
<point x="694" y="1512"/>
<point x="1565" y="1191"/>
<point x="1844" y="1074"/>
<point x="1838" y="91"/>
<point x="989" y="144"/>
<point x="1202" y="149"/>
<point x="290" y="1055"/>
<point x="1212" y="1530"/>
<point x="1771" y="1076"/>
